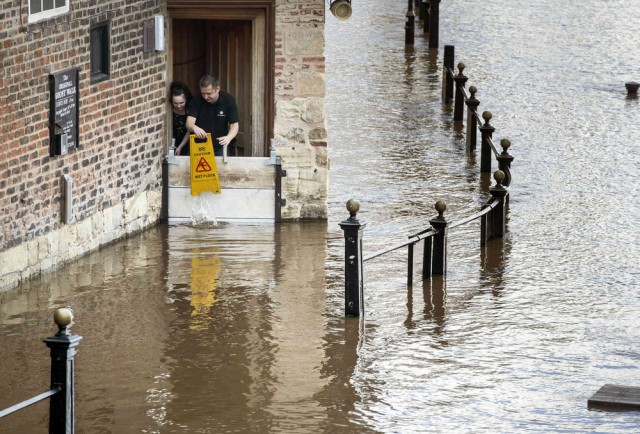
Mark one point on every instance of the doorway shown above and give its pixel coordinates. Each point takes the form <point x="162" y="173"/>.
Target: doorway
<point x="234" y="44"/>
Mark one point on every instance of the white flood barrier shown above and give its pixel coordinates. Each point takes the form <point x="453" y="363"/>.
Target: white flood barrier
<point x="250" y="192"/>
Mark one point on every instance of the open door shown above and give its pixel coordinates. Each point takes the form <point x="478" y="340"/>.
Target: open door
<point x="223" y="49"/>
<point x="235" y="41"/>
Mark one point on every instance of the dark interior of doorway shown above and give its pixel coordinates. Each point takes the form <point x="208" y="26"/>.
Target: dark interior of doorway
<point x="221" y="48"/>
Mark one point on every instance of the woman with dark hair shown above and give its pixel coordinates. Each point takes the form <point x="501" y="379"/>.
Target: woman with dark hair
<point x="180" y="97"/>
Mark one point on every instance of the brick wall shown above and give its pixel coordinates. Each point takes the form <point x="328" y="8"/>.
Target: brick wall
<point x="121" y="120"/>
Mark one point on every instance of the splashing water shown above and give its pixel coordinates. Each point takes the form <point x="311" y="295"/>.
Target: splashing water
<point x="202" y="213"/>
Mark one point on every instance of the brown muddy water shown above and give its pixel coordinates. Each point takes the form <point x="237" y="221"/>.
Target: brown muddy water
<point x="202" y="329"/>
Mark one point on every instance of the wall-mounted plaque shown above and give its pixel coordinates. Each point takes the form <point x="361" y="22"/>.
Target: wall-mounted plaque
<point x="63" y="111"/>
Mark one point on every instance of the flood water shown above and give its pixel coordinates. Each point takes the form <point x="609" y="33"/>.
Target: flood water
<point x="241" y="329"/>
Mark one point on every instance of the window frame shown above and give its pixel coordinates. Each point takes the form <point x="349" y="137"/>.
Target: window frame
<point x="105" y="42"/>
<point x="49" y="13"/>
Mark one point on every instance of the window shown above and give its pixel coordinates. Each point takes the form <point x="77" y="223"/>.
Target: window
<point x="99" y="52"/>
<point x="42" y="9"/>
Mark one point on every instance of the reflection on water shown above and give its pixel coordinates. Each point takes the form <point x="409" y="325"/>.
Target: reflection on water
<point x="201" y="329"/>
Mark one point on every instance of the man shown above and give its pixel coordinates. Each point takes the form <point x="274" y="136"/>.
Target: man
<point x="214" y="111"/>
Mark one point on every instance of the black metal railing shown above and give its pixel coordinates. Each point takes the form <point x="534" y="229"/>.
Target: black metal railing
<point x="433" y="240"/>
<point x="451" y="82"/>
<point x="61" y="395"/>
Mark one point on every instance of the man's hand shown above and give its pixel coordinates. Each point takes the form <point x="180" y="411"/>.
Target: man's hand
<point x="224" y="140"/>
<point x="199" y="132"/>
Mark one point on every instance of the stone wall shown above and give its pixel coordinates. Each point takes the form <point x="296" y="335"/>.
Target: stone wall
<point x="300" y="123"/>
<point x="116" y="171"/>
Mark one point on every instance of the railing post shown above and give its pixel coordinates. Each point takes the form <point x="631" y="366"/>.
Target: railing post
<point x="422" y="9"/>
<point x="434" y="23"/>
<point x="504" y="160"/>
<point x="426" y="258"/>
<point x="460" y="81"/>
<point x="439" y="258"/>
<point x="410" y="25"/>
<point x="447" y="82"/>
<point x="425" y="18"/>
<point x="486" y="131"/>
<point x="410" y="249"/>
<point x="353" y="278"/>
<point x="63" y="349"/>
<point x="472" y="121"/>
<point x="500" y="193"/>
<point x="486" y="225"/>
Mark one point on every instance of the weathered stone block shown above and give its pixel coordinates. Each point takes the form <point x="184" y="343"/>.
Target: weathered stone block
<point x="289" y="110"/>
<point x="291" y="211"/>
<point x="304" y="41"/>
<point x="314" y="211"/>
<point x="296" y="156"/>
<point x="322" y="157"/>
<point x="318" y="134"/>
<point x="313" y="110"/>
<point x="310" y="83"/>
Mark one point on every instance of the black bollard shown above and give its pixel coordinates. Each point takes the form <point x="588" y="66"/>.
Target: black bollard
<point x="410" y="25"/>
<point x="425" y="18"/>
<point x="447" y="81"/>
<point x="353" y="276"/>
<point x="472" y="120"/>
<point x="439" y="257"/>
<point x="422" y="10"/>
<point x="486" y="131"/>
<point x="434" y="23"/>
<point x="632" y="87"/>
<point x="460" y="81"/>
<point x="499" y="212"/>
<point x="63" y="349"/>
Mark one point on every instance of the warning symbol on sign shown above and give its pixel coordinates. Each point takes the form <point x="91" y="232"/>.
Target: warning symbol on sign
<point x="203" y="166"/>
<point x="204" y="173"/>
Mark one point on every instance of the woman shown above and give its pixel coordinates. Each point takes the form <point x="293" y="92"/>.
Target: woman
<point x="180" y="97"/>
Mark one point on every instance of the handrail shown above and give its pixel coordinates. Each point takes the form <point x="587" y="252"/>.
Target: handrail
<point x="489" y="207"/>
<point x="28" y="402"/>
<point x="426" y="233"/>
<point x="413" y="239"/>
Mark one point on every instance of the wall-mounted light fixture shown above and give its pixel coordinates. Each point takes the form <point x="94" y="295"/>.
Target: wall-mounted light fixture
<point x="341" y="9"/>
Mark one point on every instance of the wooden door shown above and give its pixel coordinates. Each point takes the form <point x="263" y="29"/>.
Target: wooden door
<point x="229" y="59"/>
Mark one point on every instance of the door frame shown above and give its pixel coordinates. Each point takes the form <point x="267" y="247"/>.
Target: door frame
<point x="261" y="13"/>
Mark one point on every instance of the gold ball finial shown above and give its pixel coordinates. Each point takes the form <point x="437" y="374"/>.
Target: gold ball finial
<point x="506" y="144"/>
<point x="441" y="207"/>
<point x="498" y="175"/>
<point x="63" y="317"/>
<point x="473" y="90"/>
<point x="486" y="115"/>
<point x="353" y="206"/>
<point x="461" y="67"/>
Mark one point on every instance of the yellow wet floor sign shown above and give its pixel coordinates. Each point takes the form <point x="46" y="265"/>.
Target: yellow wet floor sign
<point x="204" y="172"/>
